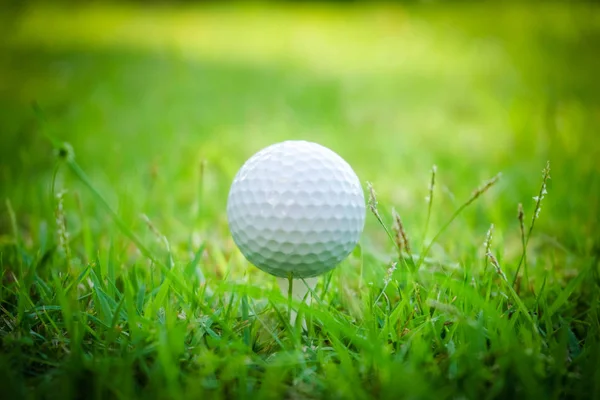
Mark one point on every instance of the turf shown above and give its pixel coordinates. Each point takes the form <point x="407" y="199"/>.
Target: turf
<point x="120" y="278"/>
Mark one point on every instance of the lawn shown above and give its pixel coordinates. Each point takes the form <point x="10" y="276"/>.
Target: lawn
<point x="122" y="126"/>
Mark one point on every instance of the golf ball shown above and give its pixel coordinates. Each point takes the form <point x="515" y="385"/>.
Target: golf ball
<point x="296" y="207"/>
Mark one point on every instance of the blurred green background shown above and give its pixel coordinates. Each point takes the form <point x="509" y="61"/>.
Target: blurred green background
<point x="163" y="102"/>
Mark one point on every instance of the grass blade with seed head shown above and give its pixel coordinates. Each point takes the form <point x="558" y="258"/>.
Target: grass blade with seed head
<point x="536" y="213"/>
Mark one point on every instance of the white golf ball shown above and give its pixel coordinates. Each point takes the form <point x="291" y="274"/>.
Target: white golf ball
<point x="296" y="207"/>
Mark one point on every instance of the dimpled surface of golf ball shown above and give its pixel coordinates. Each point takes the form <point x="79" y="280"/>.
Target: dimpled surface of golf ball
<point x="296" y="207"/>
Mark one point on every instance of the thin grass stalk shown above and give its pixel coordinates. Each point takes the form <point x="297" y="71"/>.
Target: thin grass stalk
<point x="536" y="213"/>
<point x="429" y="200"/>
<point x="487" y="245"/>
<point x="474" y="196"/>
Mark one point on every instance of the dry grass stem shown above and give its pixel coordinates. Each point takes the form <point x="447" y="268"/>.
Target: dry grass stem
<point x="372" y="199"/>
<point x="400" y="235"/>
<point x="429" y="198"/>
<point x="538" y="199"/>
<point x="483" y="188"/>
<point x="496" y="265"/>
<point x="487" y="243"/>
<point x="61" y="226"/>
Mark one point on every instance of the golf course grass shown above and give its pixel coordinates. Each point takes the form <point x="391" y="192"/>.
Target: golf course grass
<point x="474" y="128"/>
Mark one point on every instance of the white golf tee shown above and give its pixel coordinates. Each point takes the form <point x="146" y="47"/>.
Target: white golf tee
<point x="300" y="290"/>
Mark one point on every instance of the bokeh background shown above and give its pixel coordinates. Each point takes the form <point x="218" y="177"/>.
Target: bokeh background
<point x="162" y="102"/>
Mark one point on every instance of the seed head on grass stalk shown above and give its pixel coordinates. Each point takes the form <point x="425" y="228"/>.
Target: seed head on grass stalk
<point x="538" y="199"/>
<point x="496" y="265"/>
<point x="487" y="244"/>
<point x="386" y="281"/>
<point x="373" y="207"/>
<point x="61" y="226"/>
<point x="429" y="200"/>
<point x="520" y="305"/>
<point x="372" y="200"/>
<point x="400" y="236"/>
<point x="536" y="214"/>
<point x="483" y="188"/>
<point x="389" y="273"/>
<point x="403" y="239"/>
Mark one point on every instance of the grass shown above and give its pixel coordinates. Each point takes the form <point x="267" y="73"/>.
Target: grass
<point x="120" y="278"/>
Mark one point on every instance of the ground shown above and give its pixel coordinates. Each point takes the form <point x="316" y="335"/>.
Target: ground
<point x="121" y="130"/>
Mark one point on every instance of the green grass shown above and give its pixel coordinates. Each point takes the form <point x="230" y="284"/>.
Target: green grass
<point x="120" y="278"/>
